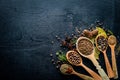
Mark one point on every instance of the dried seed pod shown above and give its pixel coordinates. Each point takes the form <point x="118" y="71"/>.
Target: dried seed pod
<point x="63" y="43"/>
<point x="70" y="46"/>
<point x="67" y="39"/>
<point x="86" y="33"/>
<point x="90" y="34"/>
<point x="94" y="32"/>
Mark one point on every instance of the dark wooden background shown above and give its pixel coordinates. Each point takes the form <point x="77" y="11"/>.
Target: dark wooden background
<point x="27" y="28"/>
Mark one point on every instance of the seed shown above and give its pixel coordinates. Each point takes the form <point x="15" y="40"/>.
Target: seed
<point x="63" y="43"/>
<point x="58" y="62"/>
<point x="56" y="36"/>
<point x="57" y="67"/>
<point x="72" y="35"/>
<point x="51" y="55"/>
<point x="52" y="42"/>
<point x="102" y="43"/>
<point x="67" y="39"/>
<point x="97" y="21"/>
<point x="53" y="60"/>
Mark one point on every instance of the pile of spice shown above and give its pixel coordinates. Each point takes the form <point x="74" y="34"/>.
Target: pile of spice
<point x="102" y="43"/>
<point x="74" y="58"/>
<point x="85" y="46"/>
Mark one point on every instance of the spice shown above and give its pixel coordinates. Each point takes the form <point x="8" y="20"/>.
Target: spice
<point x="74" y="58"/>
<point x="90" y="34"/>
<point x="66" y="69"/>
<point x="52" y="42"/>
<point x="69" y="70"/>
<point x="102" y="43"/>
<point x="112" y="40"/>
<point x="85" y="46"/>
<point x="51" y="55"/>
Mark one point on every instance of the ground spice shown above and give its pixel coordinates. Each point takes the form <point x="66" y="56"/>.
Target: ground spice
<point x="85" y="46"/>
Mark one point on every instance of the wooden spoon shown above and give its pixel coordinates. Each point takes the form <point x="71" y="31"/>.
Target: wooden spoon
<point x="74" y="58"/>
<point x="68" y="70"/>
<point x="86" y="48"/>
<point x="112" y="43"/>
<point x="102" y="44"/>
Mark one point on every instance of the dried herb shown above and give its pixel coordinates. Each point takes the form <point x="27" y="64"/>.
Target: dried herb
<point x="61" y="56"/>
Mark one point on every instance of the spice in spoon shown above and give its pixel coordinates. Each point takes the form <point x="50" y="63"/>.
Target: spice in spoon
<point x="85" y="46"/>
<point x="102" y="43"/>
<point x="74" y="58"/>
<point x="67" y="69"/>
<point x="112" y="40"/>
<point x="112" y="43"/>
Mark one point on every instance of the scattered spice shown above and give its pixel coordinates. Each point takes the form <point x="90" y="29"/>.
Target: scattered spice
<point x="51" y="55"/>
<point x="85" y="46"/>
<point x="52" y="42"/>
<point x="69" y="43"/>
<point x="52" y="60"/>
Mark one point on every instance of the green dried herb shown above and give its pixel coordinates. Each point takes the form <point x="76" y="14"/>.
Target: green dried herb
<point x="61" y="56"/>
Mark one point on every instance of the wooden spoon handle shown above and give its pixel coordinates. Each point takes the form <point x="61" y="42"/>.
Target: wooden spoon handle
<point x="85" y="77"/>
<point x="114" y="65"/>
<point x="92" y="73"/>
<point x="100" y="70"/>
<point x="108" y="66"/>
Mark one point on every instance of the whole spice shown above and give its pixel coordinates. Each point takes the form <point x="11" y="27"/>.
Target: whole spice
<point x="74" y="58"/>
<point x="102" y="43"/>
<point x="90" y="34"/>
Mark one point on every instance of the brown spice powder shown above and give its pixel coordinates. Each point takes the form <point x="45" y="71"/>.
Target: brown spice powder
<point x="85" y="46"/>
